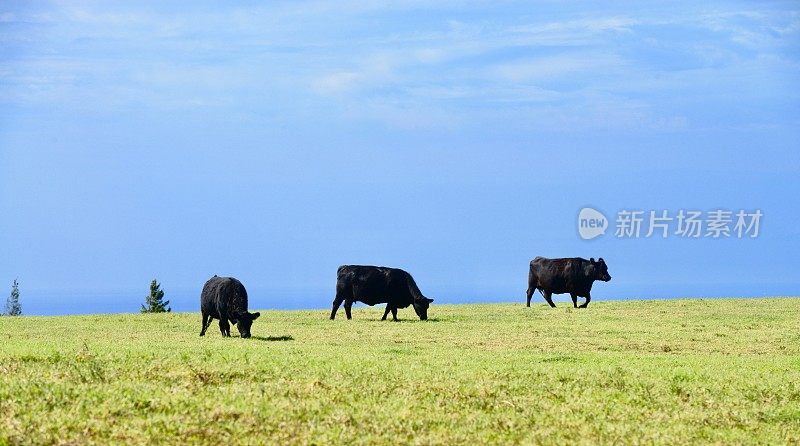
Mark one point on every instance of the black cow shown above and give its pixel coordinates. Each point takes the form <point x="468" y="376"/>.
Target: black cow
<point x="375" y="285"/>
<point x="225" y="298"/>
<point x="558" y="276"/>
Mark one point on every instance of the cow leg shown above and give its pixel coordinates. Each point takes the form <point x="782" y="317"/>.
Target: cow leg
<point x="530" y="295"/>
<point x="225" y="328"/>
<point x="394" y="314"/>
<point x="588" y="298"/>
<point x="336" y="302"/>
<point x="574" y="300"/>
<point x="206" y="322"/>
<point x="386" y="313"/>
<point x="348" y="304"/>
<point x="548" y="296"/>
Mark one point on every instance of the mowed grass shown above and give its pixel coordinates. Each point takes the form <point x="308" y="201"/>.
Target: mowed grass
<point x="720" y="371"/>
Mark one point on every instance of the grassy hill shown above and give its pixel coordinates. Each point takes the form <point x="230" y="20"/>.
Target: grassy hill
<point x="668" y="372"/>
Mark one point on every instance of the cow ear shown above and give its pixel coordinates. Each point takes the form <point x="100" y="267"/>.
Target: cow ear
<point x="430" y="300"/>
<point x="600" y="260"/>
<point x="255" y="315"/>
<point x="591" y="259"/>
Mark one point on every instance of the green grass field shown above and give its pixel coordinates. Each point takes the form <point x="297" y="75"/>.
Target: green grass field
<point x="721" y="371"/>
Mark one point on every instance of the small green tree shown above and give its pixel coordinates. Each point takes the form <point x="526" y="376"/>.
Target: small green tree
<point x="155" y="303"/>
<point x="13" y="308"/>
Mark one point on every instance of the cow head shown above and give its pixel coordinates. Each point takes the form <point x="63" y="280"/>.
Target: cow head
<point x="421" y="307"/>
<point x="598" y="270"/>
<point x="244" y="321"/>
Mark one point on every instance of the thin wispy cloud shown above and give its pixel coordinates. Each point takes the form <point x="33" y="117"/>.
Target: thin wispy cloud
<point x="228" y="57"/>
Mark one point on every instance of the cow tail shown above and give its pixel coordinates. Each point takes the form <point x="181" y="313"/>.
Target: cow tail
<point x="237" y="299"/>
<point x="533" y="280"/>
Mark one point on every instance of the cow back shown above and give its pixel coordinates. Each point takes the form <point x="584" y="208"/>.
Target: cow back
<point x="222" y="297"/>
<point x="377" y="284"/>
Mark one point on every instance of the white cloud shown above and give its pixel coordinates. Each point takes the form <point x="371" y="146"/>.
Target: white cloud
<point x="335" y="83"/>
<point x="554" y="67"/>
<point x="594" y="25"/>
<point x="322" y="53"/>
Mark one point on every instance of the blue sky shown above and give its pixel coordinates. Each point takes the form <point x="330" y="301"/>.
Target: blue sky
<point x="457" y="140"/>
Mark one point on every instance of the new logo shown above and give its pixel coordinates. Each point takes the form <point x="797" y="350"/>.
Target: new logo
<point x="591" y="223"/>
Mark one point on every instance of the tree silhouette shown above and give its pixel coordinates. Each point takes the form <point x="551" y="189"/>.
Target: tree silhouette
<point x="13" y="308"/>
<point x="155" y="303"/>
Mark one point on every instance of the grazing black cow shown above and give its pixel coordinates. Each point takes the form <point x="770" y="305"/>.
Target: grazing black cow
<point x="558" y="276"/>
<point x="375" y="285"/>
<point x="225" y="298"/>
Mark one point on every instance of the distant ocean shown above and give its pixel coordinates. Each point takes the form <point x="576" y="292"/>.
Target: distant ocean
<point x="39" y="302"/>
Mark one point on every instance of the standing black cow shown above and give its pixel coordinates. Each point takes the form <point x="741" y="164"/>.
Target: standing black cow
<point x="225" y="298"/>
<point x="572" y="275"/>
<point x="374" y="285"/>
